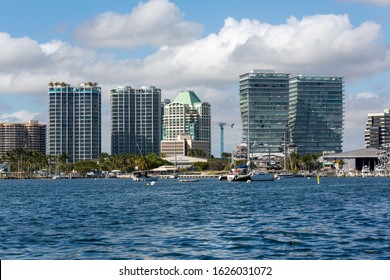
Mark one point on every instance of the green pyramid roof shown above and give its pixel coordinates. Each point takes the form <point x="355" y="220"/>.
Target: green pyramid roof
<point x="187" y="97"/>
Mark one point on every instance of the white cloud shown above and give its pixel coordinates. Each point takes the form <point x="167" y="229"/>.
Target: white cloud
<point x="18" y="53"/>
<point x="157" y="23"/>
<point x="21" y="116"/>
<point x="27" y="66"/>
<point x="366" y="95"/>
<point x="320" y="44"/>
<point x="357" y="107"/>
<point x="371" y="2"/>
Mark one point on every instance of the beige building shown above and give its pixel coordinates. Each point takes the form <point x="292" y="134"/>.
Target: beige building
<point x="186" y="125"/>
<point x="183" y="145"/>
<point x="31" y="136"/>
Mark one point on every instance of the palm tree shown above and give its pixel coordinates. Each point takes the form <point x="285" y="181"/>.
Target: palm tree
<point x="142" y="163"/>
<point x="196" y="152"/>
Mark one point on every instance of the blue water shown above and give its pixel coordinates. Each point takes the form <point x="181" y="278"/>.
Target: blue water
<point x="346" y="218"/>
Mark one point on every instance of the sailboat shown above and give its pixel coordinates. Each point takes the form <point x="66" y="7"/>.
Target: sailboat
<point x="244" y="173"/>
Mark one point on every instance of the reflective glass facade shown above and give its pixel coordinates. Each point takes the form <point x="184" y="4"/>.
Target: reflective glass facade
<point x="74" y="121"/>
<point x="264" y="105"/>
<point x="316" y="113"/>
<point x="135" y="120"/>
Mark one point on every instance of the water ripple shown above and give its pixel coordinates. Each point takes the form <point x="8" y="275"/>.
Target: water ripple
<point x="345" y="218"/>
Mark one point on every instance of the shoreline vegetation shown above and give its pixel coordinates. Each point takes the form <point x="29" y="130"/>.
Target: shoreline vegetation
<point x="28" y="164"/>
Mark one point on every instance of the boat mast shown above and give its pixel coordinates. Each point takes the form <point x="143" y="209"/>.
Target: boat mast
<point x="285" y="153"/>
<point x="248" y="155"/>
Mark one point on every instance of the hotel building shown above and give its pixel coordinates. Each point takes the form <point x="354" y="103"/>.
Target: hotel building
<point x="316" y="113"/>
<point x="135" y="120"/>
<point x="31" y="136"/>
<point x="74" y="120"/>
<point x="186" y="120"/>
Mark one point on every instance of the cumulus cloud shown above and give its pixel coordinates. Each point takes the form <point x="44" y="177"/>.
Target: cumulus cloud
<point x="21" y="116"/>
<point x="320" y="44"/>
<point x="18" y="52"/>
<point x="357" y="107"/>
<point x="157" y="23"/>
<point x="26" y="66"/>
<point x="316" y="44"/>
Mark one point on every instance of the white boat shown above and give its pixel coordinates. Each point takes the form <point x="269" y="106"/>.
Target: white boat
<point x="285" y="175"/>
<point x="239" y="173"/>
<point x="142" y="176"/>
<point x="189" y="180"/>
<point x="262" y="176"/>
<point x="244" y="174"/>
<point x="232" y="177"/>
<point x="366" y="172"/>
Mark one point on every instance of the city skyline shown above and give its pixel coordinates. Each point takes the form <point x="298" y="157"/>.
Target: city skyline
<point x="178" y="45"/>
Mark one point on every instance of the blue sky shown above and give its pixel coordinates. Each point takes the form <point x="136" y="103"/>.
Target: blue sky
<point x="198" y="45"/>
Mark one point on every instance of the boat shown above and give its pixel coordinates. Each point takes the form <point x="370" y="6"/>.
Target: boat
<point x="243" y="174"/>
<point x="142" y="176"/>
<point x="238" y="177"/>
<point x="188" y="180"/>
<point x="261" y="176"/>
<point x="284" y="175"/>
<point x="366" y="172"/>
<point x="222" y="177"/>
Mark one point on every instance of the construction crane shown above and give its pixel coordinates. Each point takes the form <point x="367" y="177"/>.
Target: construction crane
<point x="221" y="127"/>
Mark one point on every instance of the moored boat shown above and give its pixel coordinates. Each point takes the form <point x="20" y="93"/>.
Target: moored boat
<point x="142" y="176"/>
<point x="188" y="180"/>
<point x="262" y="176"/>
<point x="243" y="173"/>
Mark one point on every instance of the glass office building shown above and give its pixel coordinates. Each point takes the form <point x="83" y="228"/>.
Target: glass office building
<point x="316" y="113"/>
<point x="264" y="105"/>
<point x="74" y="121"/>
<point x="135" y="120"/>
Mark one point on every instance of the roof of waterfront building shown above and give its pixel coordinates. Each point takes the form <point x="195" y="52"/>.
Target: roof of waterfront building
<point x="187" y="97"/>
<point x="184" y="161"/>
<point x="363" y="153"/>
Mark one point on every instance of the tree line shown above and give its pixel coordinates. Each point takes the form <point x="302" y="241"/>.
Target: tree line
<point x="31" y="162"/>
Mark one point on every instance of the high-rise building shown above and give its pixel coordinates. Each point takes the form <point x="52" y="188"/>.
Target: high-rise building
<point x="188" y="115"/>
<point x="135" y="120"/>
<point x="31" y="136"/>
<point x="264" y="109"/>
<point x="316" y="113"/>
<point x="74" y="120"/>
<point x="377" y="132"/>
